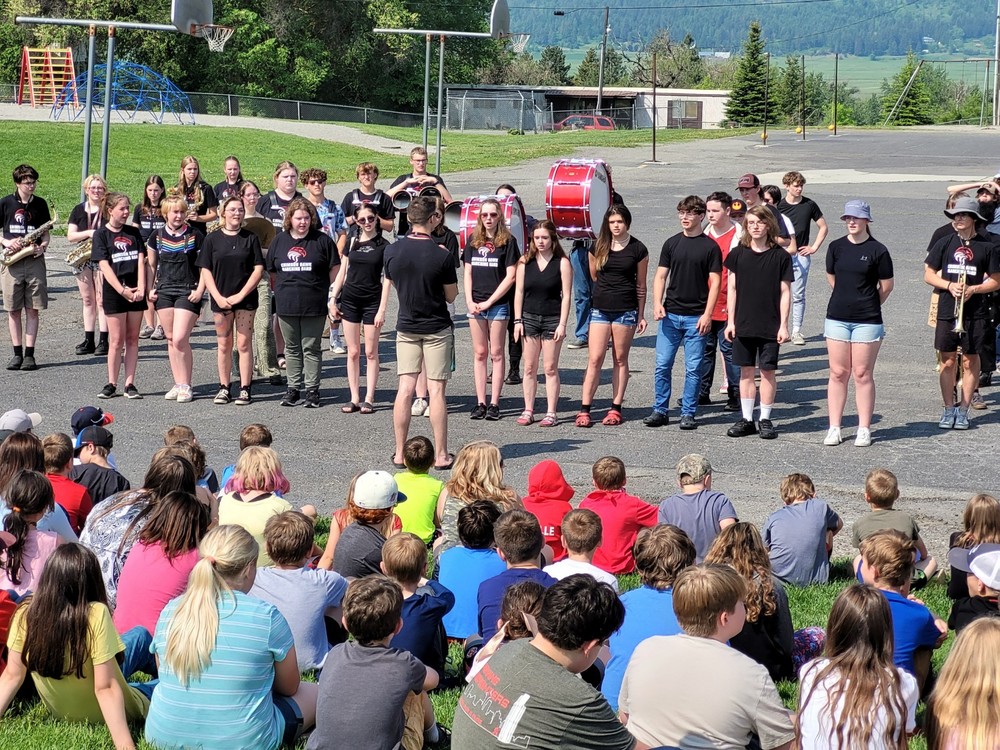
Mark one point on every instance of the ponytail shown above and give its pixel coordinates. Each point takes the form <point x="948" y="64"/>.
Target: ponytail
<point x="28" y="494"/>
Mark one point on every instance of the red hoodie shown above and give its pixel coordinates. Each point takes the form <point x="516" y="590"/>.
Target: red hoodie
<point x="548" y="500"/>
<point x="622" y="516"/>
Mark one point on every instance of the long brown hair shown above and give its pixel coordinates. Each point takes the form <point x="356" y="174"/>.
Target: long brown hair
<point x="602" y="248"/>
<point x="762" y="213"/>
<point x="29" y="493"/>
<point x="980" y="521"/>
<point x="502" y="234"/>
<point x="860" y="670"/>
<point x="22" y="450"/>
<point x="148" y="209"/>
<point x="531" y="251"/>
<point x="177" y="523"/>
<point x="741" y="547"/>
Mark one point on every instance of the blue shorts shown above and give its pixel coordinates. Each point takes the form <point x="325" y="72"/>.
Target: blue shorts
<point x="291" y="715"/>
<point x="628" y="318"/>
<point x="854" y="333"/>
<point x="499" y="311"/>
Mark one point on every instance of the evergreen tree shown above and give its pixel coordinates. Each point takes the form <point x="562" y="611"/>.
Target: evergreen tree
<point x="915" y="109"/>
<point x="786" y="91"/>
<point x="746" y="103"/>
<point x="587" y="70"/>
<point x="554" y="61"/>
<point x="615" y="70"/>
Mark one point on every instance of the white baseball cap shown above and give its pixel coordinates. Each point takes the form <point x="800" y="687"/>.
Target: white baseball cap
<point x="983" y="561"/>
<point x="18" y="420"/>
<point x="377" y="490"/>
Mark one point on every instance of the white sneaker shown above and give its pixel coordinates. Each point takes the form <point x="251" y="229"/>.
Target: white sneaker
<point x="833" y="437"/>
<point x="419" y="407"/>
<point x="337" y="344"/>
<point x="798" y="339"/>
<point x="863" y="438"/>
<point x="184" y="394"/>
<point x="961" y="419"/>
<point x="171" y="395"/>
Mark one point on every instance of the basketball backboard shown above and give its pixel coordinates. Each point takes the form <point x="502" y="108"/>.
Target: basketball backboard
<point x="188" y="15"/>
<point x="499" y="18"/>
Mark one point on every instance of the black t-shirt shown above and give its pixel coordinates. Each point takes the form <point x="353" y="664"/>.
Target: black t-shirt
<point x="380" y="202"/>
<point x="615" y="288"/>
<point x="857" y="270"/>
<point x="19" y="219"/>
<point x="224" y="190"/>
<point x="83" y="219"/>
<point x="489" y="265"/>
<point x="272" y="207"/>
<point x="123" y="250"/>
<point x="782" y="229"/>
<point x="208" y="201"/>
<point x="404" y="225"/>
<point x="981" y="260"/>
<point x="230" y="259"/>
<point x="176" y="259"/>
<point x="420" y="269"/>
<point x="690" y="260"/>
<point x="943" y="231"/>
<point x="965" y="610"/>
<point x="758" y="289"/>
<point x="542" y="288"/>
<point x="100" y="482"/>
<point x="448" y="240"/>
<point x="148" y="221"/>
<point x="363" y="285"/>
<point x="301" y="271"/>
<point x="802" y="214"/>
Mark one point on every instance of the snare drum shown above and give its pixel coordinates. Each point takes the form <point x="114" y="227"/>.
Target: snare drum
<point x="510" y="207"/>
<point x="577" y="195"/>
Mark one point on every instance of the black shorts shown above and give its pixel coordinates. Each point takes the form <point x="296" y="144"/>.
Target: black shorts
<point x="166" y="300"/>
<point x="357" y="312"/>
<point x="539" y="326"/>
<point x="114" y="304"/>
<point x="750" y="351"/>
<point x="250" y="302"/>
<point x="972" y="341"/>
<point x="292" y="714"/>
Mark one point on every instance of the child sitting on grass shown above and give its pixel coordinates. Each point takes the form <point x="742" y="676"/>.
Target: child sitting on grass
<point x="622" y="516"/>
<point x="548" y="500"/>
<point x="518" y="619"/>
<point x="580" y="536"/>
<point x="252" y="434"/>
<point x="383" y="519"/>
<point x="179" y="433"/>
<point x="799" y="536"/>
<point x="102" y="480"/>
<point x="71" y="496"/>
<point x="308" y="598"/>
<point x="28" y="497"/>
<point x="421" y="489"/>
<point x="698" y="510"/>
<point x="370" y="502"/>
<point x="980" y="525"/>
<point x="371" y="695"/>
<point x="981" y="566"/>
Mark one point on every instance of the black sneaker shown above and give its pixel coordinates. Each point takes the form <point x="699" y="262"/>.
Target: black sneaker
<point x="101" y="350"/>
<point x="766" y="430"/>
<point x="479" y="412"/>
<point x="222" y="397"/>
<point x="275" y="380"/>
<point x="687" y="422"/>
<point x="493" y="412"/>
<point x="291" y="397"/>
<point x="732" y="400"/>
<point x="85" y="347"/>
<point x="108" y="391"/>
<point x="131" y="391"/>
<point x="29" y="363"/>
<point x="15" y="362"/>
<point x="312" y="398"/>
<point x="742" y="428"/>
<point x="513" y="378"/>
<point x="656" y="419"/>
<point x="244" y="398"/>
<point x="577" y="344"/>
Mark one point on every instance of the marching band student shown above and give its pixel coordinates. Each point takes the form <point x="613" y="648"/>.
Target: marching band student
<point x="618" y="264"/>
<point x="84" y="220"/>
<point x="176" y="290"/>
<point x="265" y="352"/>
<point x="120" y="254"/>
<point x="147" y="218"/>
<point x="231" y="266"/>
<point x="203" y="205"/>
<point x="24" y="285"/>
<point x="514" y="345"/>
<point x="490" y="258"/>
<point x="418" y="179"/>
<point x="541" y="312"/>
<point x="367" y="174"/>
<point x="233" y="182"/>
<point x="333" y="224"/>
<point x="362" y="303"/>
<point x="303" y="262"/>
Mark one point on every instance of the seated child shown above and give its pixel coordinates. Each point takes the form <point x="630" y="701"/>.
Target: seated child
<point x="28" y="497"/>
<point x="722" y="693"/>
<point x="799" y="536"/>
<point x="622" y="515"/>
<point x="206" y="474"/>
<point x="881" y="492"/>
<point x="425" y="603"/>
<point x="252" y="434"/>
<point x="370" y="502"/>
<point x="421" y="489"/>
<point x="548" y="500"/>
<point x="71" y="496"/>
<point x="519" y="543"/>
<point x="980" y="525"/>
<point x="462" y="569"/>
<point x="102" y="480"/>
<point x="371" y="695"/>
<point x="661" y="553"/>
<point x="306" y="597"/>
<point x="518" y="619"/>
<point x="580" y="536"/>
<point x="981" y="564"/>
<point x="698" y="510"/>
<point x="90" y="416"/>
<point x="887" y="559"/>
<point x="388" y="523"/>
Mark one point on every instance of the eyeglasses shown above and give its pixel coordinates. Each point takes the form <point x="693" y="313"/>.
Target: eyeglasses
<point x="491" y="215"/>
<point x="97" y="189"/>
<point x="29" y="183"/>
<point x="366" y="220"/>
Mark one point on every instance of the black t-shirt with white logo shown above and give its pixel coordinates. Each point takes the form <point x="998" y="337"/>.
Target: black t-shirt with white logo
<point x="148" y="221"/>
<point x="231" y="260"/>
<point x="20" y="218"/>
<point x="363" y="285"/>
<point x="690" y="260"/>
<point x="857" y="270"/>
<point x="489" y="264"/>
<point x="420" y="269"/>
<point x="301" y="269"/>
<point x="978" y="257"/>
<point x="224" y="190"/>
<point x="272" y="207"/>
<point x="123" y="250"/>
<point x="758" y="289"/>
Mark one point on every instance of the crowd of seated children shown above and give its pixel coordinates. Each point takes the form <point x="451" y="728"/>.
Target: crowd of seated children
<point x="421" y="489"/>
<point x="799" y="535"/>
<point x="518" y="619"/>
<point x="697" y="509"/>
<point x="23" y="450"/>
<point x="580" y="536"/>
<point x="548" y="499"/>
<point x="385" y="519"/>
<point x="71" y="496"/>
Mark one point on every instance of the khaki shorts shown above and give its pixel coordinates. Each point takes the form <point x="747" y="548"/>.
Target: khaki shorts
<point x="24" y="285"/>
<point x="436" y="351"/>
<point x="413" y="722"/>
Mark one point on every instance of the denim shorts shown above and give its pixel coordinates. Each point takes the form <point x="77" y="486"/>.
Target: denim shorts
<point x="628" y="318"/>
<point x="499" y="311"/>
<point x="854" y="333"/>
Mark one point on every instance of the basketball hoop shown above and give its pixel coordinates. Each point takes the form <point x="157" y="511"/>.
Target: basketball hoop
<point x="518" y="42"/>
<point x="215" y="34"/>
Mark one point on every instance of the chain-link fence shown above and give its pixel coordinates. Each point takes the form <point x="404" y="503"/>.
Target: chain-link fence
<point x="236" y="105"/>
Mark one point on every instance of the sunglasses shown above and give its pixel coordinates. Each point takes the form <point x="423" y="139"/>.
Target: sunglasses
<point x="366" y="220"/>
<point x="490" y="215"/>
<point x="317" y="182"/>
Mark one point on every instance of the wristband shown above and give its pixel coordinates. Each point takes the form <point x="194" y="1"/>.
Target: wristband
<point x="518" y="320"/>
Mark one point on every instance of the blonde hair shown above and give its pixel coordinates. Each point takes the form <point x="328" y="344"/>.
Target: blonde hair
<point x="892" y="554"/>
<point x="963" y="712"/>
<point x="478" y="475"/>
<point x="980" y="521"/>
<point x="258" y="468"/>
<point x="226" y="551"/>
<point x="702" y="593"/>
<point x="404" y="557"/>
<point x="181" y="179"/>
<point x="91" y="179"/>
<point x="881" y="488"/>
<point x="173" y="199"/>
<point x="797" y="487"/>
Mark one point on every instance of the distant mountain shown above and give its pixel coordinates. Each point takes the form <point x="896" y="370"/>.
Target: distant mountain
<point x="855" y="27"/>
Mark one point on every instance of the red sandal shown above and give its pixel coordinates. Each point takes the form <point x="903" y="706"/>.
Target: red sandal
<point x="613" y="418"/>
<point x="583" y="419"/>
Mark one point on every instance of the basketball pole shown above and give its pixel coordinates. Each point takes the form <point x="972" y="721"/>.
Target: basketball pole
<point x="109" y="87"/>
<point x="91" y="44"/>
<point x="437" y="148"/>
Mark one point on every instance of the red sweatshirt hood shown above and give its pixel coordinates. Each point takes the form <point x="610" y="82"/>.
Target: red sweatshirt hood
<point x="546" y="482"/>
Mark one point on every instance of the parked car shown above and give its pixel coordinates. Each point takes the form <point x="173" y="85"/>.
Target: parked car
<point x="584" y="122"/>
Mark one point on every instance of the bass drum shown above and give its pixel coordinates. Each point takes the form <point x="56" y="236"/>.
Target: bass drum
<point x="468" y="215"/>
<point x="577" y="195"/>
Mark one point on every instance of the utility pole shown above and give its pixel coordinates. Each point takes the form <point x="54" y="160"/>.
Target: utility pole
<point x="604" y="50"/>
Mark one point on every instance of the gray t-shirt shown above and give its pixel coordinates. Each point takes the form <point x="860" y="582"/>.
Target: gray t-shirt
<point x="359" y="551"/>
<point x="523" y="699"/>
<point x="796" y="538"/>
<point x="361" y="695"/>
<point x="302" y="596"/>
<point x="698" y="515"/>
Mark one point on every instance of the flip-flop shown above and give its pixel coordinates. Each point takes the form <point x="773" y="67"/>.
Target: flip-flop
<point x="447" y="466"/>
<point x="367" y="408"/>
<point x="399" y="466"/>
<point x="350" y="408"/>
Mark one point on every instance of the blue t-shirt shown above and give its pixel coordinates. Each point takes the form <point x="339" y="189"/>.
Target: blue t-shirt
<point x="796" y="538"/>
<point x="648" y="612"/>
<point x="461" y="570"/>
<point x="55" y="520"/>
<point x="491" y="593"/>
<point x="229" y="705"/>
<point x="912" y="628"/>
<point x="698" y="515"/>
<point x="422" y="615"/>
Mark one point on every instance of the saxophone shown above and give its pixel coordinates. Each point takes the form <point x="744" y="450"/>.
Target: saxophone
<point x="80" y="254"/>
<point x="27" y="245"/>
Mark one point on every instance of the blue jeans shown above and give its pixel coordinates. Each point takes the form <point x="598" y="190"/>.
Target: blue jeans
<point x="800" y="267"/>
<point x="717" y="337"/>
<point x="138" y="658"/>
<point x="583" y="286"/>
<point x="675" y="330"/>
